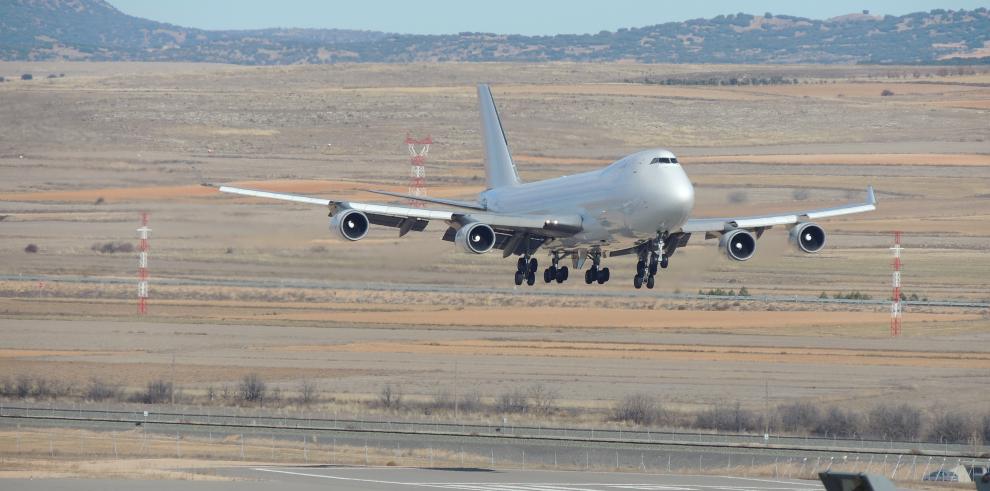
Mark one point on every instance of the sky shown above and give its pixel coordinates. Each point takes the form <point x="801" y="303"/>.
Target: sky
<point x="531" y="17"/>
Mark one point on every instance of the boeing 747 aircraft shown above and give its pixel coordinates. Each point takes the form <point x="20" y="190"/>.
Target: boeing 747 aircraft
<point x="640" y="204"/>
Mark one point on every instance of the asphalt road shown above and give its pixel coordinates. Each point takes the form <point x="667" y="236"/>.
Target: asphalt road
<point x="395" y="478"/>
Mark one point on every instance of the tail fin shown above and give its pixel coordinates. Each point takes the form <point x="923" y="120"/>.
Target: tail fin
<point x="499" y="169"/>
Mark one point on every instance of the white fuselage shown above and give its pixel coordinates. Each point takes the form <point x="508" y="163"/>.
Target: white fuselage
<point x="629" y="201"/>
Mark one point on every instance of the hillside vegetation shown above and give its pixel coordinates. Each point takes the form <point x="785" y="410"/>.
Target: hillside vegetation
<point x="95" y="30"/>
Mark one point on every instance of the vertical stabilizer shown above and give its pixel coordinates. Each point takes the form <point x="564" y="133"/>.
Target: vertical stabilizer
<point x="499" y="169"/>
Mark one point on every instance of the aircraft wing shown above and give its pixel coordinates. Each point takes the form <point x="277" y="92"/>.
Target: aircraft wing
<point x="717" y="225"/>
<point x="515" y="232"/>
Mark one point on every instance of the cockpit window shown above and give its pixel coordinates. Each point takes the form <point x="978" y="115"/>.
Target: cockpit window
<point x="663" y="160"/>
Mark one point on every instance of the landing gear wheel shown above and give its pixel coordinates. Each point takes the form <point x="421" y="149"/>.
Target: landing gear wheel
<point x="521" y="264"/>
<point x="590" y="274"/>
<point x="562" y="274"/>
<point x="533" y="265"/>
<point x="650" y="281"/>
<point x="664" y="262"/>
<point x="640" y="268"/>
<point x="530" y="278"/>
<point x="548" y="275"/>
<point x="519" y="277"/>
<point x="603" y="276"/>
<point x="638" y="282"/>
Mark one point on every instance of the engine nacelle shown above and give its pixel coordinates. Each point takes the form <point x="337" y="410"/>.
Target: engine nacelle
<point x="738" y="244"/>
<point x="350" y="225"/>
<point x="476" y="238"/>
<point x="808" y="237"/>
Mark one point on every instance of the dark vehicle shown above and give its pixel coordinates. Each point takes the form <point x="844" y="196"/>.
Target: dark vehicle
<point x="942" y="475"/>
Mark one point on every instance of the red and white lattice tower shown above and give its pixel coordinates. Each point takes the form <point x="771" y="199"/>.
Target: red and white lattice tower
<point x="143" y="234"/>
<point x="418" y="149"/>
<point x="895" y="301"/>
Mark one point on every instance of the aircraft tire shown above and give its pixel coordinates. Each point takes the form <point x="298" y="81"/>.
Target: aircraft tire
<point x="530" y="278"/>
<point x="588" y="278"/>
<point x="548" y="275"/>
<point x="562" y="274"/>
<point x="533" y="265"/>
<point x="640" y="268"/>
<point x="638" y="281"/>
<point x="650" y="281"/>
<point x="603" y="276"/>
<point x="519" y="278"/>
<point x="664" y="262"/>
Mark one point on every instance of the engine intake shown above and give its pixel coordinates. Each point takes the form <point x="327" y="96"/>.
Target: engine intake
<point x="738" y="244"/>
<point x="808" y="237"/>
<point x="476" y="238"/>
<point x="350" y="225"/>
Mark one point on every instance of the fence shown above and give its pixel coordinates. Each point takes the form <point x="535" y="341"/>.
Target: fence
<point x="76" y="439"/>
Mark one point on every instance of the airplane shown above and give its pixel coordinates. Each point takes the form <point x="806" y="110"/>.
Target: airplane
<point x="640" y="204"/>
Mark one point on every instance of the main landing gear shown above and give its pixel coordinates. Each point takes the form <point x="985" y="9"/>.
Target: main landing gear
<point x="651" y="258"/>
<point x="596" y="273"/>
<point x="526" y="270"/>
<point x="555" y="272"/>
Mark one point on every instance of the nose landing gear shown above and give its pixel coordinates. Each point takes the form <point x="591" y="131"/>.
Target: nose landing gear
<point x="652" y="257"/>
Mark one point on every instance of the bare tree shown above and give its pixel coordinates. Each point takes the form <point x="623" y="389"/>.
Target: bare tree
<point x="953" y="427"/>
<point x="307" y="392"/>
<point x="638" y="408"/>
<point x="100" y="390"/>
<point x="390" y="398"/>
<point x="838" y="422"/>
<point x="895" y="422"/>
<point x="799" y="416"/>
<point x="252" y="388"/>
<point x="513" y="401"/>
<point x="157" y="392"/>
<point x="543" y="398"/>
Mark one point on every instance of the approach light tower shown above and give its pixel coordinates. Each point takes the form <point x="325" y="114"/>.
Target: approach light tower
<point x="418" y="149"/>
<point x="895" y="301"/>
<point x="143" y="233"/>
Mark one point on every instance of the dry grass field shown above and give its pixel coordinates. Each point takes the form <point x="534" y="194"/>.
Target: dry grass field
<point x="82" y="156"/>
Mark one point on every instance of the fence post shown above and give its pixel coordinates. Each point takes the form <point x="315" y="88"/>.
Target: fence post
<point x="306" y="449"/>
<point x="493" y="458"/>
<point x="366" y="453"/>
<point x="668" y="464"/>
<point x="333" y="452"/>
<point x="242" y="446"/>
<point x="51" y="444"/>
<point x="178" y="450"/>
<point x="113" y="436"/>
<point x="896" y="466"/>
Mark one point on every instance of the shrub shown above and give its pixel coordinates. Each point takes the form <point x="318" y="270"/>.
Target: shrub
<point x="886" y="93"/>
<point x="737" y="197"/>
<point x="799" y="416"/>
<point x="112" y="247"/>
<point x="728" y="418"/>
<point x="31" y="249"/>
<point x="99" y="390"/>
<point x="307" y="392"/>
<point x="543" y="399"/>
<point x="801" y="194"/>
<point x="252" y="388"/>
<point x="895" y="422"/>
<point x="639" y="408"/>
<point x="839" y="423"/>
<point x="27" y="76"/>
<point x="513" y="401"/>
<point x="157" y="392"/>
<point x="390" y="397"/>
<point x="952" y="427"/>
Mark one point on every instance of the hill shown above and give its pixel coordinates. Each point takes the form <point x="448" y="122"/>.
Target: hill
<point x="95" y="30"/>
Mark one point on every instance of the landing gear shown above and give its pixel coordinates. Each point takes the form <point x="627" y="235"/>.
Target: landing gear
<point x="596" y="273"/>
<point x="652" y="258"/>
<point x="555" y="272"/>
<point x="526" y="271"/>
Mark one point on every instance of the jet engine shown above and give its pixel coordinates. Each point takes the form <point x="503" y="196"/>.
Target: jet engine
<point x="476" y="238"/>
<point x="350" y="225"/>
<point x="738" y="244"/>
<point x="808" y="237"/>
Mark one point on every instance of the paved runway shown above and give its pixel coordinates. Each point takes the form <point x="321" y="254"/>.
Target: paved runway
<point x="380" y="479"/>
<point x="393" y="478"/>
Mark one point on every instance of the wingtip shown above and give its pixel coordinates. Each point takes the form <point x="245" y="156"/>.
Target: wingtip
<point x="871" y="195"/>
